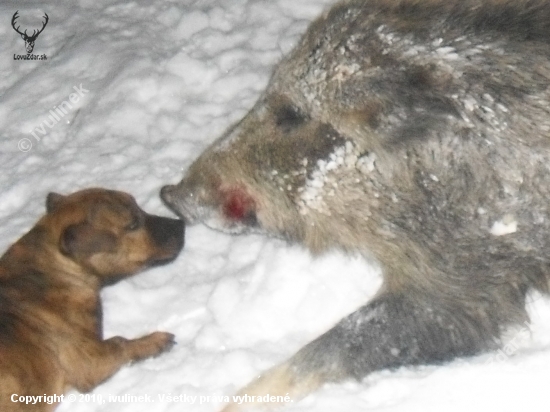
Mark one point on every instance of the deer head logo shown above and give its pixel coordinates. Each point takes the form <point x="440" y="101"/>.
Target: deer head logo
<point x="29" y="40"/>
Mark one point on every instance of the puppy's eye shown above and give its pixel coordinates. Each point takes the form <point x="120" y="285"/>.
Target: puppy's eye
<point x="135" y="224"/>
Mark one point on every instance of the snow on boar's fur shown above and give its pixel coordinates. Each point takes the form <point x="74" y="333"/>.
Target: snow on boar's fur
<point x="414" y="131"/>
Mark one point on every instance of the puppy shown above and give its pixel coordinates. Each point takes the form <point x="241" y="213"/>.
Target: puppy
<point x="50" y="310"/>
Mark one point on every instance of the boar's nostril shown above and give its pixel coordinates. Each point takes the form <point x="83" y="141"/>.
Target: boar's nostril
<point x="166" y="193"/>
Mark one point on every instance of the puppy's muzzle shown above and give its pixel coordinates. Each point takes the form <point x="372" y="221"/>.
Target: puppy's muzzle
<point x="167" y="235"/>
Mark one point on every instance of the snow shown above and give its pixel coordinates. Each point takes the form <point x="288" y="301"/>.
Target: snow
<point x="162" y="81"/>
<point x="507" y="225"/>
<point x="315" y="187"/>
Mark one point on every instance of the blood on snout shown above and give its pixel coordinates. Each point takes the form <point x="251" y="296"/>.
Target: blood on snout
<point x="238" y="205"/>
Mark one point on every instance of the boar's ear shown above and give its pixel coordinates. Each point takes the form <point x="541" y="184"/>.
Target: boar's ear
<point x="53" y="200"/>
<point x="83" y="240"/>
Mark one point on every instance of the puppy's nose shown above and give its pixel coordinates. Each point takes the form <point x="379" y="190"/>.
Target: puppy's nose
<point x="164" y="230"/>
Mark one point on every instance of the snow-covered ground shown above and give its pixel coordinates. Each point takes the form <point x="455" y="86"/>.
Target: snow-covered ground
<point x="146" y="86"/>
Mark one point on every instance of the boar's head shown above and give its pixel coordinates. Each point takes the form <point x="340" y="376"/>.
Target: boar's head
<point x="253" y="178"/>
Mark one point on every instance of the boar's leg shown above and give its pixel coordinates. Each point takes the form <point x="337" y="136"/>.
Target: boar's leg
<point x="391" y="331"/>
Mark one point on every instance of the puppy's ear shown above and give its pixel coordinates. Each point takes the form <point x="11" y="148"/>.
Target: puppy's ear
<point x="53" y="200"/>
<point x="82" y="239"/>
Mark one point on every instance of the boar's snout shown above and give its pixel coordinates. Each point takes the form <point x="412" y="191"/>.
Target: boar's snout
<point x="167" y="195"/>
<point x="173" y="196"/>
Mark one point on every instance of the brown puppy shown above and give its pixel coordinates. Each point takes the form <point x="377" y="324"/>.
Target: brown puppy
<point x="50" y="309"/>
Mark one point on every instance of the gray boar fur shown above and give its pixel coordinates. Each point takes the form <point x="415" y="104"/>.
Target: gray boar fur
<point x="417" y="132"/>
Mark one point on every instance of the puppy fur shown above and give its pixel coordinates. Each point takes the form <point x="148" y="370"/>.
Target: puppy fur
<point x="50" y="310"/>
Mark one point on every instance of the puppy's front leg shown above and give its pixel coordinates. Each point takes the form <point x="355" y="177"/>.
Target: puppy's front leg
<point x="98" y="360"/>
<point x="145" y="347"/>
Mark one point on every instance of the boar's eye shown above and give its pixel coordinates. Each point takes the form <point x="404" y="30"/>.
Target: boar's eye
<point x="288" y="117"/>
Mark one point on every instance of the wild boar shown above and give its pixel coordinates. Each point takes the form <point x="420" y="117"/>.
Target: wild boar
<point x="416" y="132"/>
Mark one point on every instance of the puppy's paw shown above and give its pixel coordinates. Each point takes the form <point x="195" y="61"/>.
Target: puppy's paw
<point x="150" y="345"/>
<point x="160" y="342"/>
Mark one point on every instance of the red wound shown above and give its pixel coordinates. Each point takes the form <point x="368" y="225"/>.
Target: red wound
<point x="238" y="204"/>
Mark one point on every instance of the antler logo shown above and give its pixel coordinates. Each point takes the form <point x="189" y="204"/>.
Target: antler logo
<point x="29" y="40"/>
